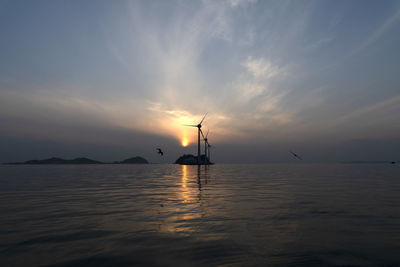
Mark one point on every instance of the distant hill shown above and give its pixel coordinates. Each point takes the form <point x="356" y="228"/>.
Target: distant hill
<point x="59" y="161"/>
<point x="134" y="160"/>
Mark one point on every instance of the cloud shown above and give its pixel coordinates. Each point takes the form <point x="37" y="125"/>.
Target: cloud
<point x="257" y="82"/>
<point x="376" y="35"/>
<point x="365" y="120"/>
<point x="321" y="42"/>
<point x="237" y="3"/>
<point x="261" y="68"/>
<point x="177" y="51"/>
<point x="389" y="23"/>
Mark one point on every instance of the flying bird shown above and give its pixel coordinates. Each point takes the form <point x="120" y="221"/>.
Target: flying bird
<point x="296" y="156"/>
<point x="159" y="151"/>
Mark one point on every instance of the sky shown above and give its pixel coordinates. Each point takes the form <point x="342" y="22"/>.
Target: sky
<point x="115" y="79"/>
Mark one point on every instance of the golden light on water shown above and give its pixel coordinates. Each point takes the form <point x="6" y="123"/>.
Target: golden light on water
<point x="185" y="142"/>
<point x="184" y="175"/>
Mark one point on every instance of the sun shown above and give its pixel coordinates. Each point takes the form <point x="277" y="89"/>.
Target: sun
<point x="185" y="142"/>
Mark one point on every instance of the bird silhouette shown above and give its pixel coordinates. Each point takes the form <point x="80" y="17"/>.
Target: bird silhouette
<point x="159" y="151"/>
<point x="296" y="156"/>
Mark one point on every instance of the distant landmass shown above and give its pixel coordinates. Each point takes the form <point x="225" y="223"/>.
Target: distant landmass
<point x="59" y="161"/>
<point x="371" y="162"/>
<point x="54" y="160"/>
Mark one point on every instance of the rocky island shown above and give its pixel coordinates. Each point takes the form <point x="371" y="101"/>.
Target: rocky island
<point x="189" y="159"/>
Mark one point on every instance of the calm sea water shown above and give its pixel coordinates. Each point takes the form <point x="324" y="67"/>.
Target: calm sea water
<point x="221" y="215"/>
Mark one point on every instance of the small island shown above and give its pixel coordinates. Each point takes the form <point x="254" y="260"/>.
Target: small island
<point x="189" y="159"/>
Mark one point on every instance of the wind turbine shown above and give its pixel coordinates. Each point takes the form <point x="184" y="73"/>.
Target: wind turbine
<point x="198" y="136"/>
<point x="206" y="146"/>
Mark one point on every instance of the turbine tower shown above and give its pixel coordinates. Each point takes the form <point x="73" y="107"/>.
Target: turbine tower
<point x="208" y="149"/>
<point x="198" y="137"/>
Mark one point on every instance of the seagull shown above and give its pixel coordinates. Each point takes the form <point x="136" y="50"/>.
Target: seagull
<point x="295" y="155"/>
<point x="159" y="151"/>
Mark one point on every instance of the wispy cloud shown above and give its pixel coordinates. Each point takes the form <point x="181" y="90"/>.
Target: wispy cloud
<point x="382" y="112"/>
<point x="386" y="26"/>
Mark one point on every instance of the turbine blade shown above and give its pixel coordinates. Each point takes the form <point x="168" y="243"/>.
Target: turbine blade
<point x="190" y="125"/>
<point x="201" y="133"/>
<point x="207" y="132"/>
<point x="203" y="118"/>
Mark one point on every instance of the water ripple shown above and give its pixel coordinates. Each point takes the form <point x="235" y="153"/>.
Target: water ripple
<point x="221" y="215"/>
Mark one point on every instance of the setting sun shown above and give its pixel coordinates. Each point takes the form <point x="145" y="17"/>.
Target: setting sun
<point x="185" y="142"/>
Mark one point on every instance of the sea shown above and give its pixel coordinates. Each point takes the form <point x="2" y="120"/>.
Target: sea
<point x="219" y="215"/>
